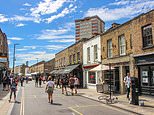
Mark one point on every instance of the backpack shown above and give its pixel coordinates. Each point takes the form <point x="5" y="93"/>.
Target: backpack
<point x="13" y="86"/>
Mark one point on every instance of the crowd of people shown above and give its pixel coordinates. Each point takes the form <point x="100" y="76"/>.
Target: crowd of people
<point x="62" y="82"/>
<point x="10" y="83"/>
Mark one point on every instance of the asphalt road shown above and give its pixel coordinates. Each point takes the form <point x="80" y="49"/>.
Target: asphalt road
<point x="33" y="101"/>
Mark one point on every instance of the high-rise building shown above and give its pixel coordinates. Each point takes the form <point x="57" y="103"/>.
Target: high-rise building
<point x="88" y="27"/>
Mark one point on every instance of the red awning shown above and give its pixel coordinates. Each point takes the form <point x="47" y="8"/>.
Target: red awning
<point x="90" y="66"/>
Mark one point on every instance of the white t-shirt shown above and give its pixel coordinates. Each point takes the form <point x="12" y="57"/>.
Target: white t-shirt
<point x="127" y="81"/>
<point x="50" y="83"/>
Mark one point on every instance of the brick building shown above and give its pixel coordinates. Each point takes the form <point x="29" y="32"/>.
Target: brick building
<point x="143" y="51"/>
<point x="122" y="43"/>
<point x="4" y="57"/>
<point x="69" y="61"/>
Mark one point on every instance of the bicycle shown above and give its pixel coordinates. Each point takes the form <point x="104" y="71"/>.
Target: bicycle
<point x="107" y="98"/>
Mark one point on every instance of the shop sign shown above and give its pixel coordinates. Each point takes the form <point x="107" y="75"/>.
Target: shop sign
<point x="144" y="73"/>
<point x="3" y="59"/>
<point x="145" y="80"/>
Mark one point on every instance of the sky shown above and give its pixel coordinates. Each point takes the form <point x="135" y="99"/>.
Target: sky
<point x="42" y="28"/>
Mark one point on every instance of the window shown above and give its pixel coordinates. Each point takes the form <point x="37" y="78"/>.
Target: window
<point x="74" y="58"/>
<point x="122" y="45"/>
<point x="64" y="61"/>
<point x="147" y="36"/>
<point x="70" y="59"/>
<point x="78" y="56"/>
<point x="92" y="77"/>
<point x="131" y="46"/>
<point x="95" y="53"/>
<point x="109" y="48"/>
<point x="88" y="54"/>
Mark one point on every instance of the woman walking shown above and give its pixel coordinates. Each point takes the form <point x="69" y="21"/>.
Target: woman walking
<point x="49" y="89"/>
<point x="13" y="89"/>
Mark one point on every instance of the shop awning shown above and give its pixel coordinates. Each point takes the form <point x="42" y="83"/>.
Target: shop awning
<point x="69" y="69"/>
<point x="101" y="68"/>
<point x="52" y="72"/>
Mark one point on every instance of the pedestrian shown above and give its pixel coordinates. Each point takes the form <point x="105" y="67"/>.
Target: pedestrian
<point x="43" y="79"/>
<point x="76" y="83"/>
<point x="49" y="89"/>
<point x="26" y="79"/>
<point x="21" y="80"/>
<point x="13" y="89"/>
<point x="71" y="83"/>
<point x="127" y="81"/>
<point x="4" y="80"/>
<point x="40" y="81"/>
<point x="64" y="82"/>
<point x="36" y="81"/>
<point x="58" y="83"/>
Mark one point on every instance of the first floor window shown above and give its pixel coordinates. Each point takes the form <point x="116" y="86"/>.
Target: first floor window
<point x="109" y="48"/>
<point x="147" y="36"/>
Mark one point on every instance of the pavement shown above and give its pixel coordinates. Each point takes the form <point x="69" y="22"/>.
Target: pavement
<point x="123" y="103"/>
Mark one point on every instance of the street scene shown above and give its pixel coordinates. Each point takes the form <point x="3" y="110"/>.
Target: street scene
<point x="77" y="57"/>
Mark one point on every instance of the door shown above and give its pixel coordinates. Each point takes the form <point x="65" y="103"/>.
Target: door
<point x="117" y="81"/>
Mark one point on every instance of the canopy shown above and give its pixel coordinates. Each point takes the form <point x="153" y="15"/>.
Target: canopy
<point x="69" y="69"/>
<point x="101" y="68"/>
<point x="35" y="73"/>
<point x="28" y="74"/>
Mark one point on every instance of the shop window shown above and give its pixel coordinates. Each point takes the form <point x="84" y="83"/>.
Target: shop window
<point x="109" y="48"/>
<point x="92" y="78"/>
<point x="122" y="45"/>
<point x="147" y="36"/>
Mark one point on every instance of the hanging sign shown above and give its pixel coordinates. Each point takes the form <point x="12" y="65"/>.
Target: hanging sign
<point x="145" y="80"/>
<point x="144" y="73"/>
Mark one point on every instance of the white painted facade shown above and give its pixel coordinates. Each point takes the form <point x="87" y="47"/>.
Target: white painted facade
<point x="90" y="44"/>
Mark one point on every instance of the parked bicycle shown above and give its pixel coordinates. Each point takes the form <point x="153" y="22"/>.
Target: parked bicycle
<point x="108" y="99"/>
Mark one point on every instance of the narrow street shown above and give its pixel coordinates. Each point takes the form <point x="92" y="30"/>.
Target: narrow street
<point x="33" y="101"/>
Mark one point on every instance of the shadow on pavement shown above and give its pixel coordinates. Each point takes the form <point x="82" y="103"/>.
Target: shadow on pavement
<point x="17" y="102"/>
<point x="148" y="106"/>
<point x="56" y="104"/>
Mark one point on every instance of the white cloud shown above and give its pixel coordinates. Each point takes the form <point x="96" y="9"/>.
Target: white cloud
<point x="9" y="42"/>
<point x="32" y="56"/>
<point x="54" y="34"/>
<point x="27" y="4"/>
<point x="55" y="47"/>
<point x="47" y="7"/>
<point x="63" y="40"/>
<point x="23" y="49"/>
<point x="25" y="18"/>
<point x="15" y="38"/>
<point x="20" y="25"/>
<point x="3" y="18"/>
<point x="30" y="47"/>
<point x="62" y="14"/>
<point x="135" y="7"/>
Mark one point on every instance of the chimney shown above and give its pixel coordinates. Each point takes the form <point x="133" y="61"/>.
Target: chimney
<point x="114" y="25"/>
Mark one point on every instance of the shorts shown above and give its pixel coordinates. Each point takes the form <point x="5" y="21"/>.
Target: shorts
<point x="71" y="86"/>
<point x="50" y="90"/>
<point x="76" y="86"/>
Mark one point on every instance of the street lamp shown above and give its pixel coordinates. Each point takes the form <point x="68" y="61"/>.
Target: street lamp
<point x="14" y="58"/>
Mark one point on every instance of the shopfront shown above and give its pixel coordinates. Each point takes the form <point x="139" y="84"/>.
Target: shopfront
<point x="145" y="66"/>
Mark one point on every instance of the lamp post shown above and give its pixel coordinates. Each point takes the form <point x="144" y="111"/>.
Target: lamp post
<point x="14" y="57"/>
<point x="110" y="78"/>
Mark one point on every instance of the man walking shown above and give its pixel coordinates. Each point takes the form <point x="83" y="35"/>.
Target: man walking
<point x="127" y="81"/>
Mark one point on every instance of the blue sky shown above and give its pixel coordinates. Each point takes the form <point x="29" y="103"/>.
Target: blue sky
<point x="45" y="27"/>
